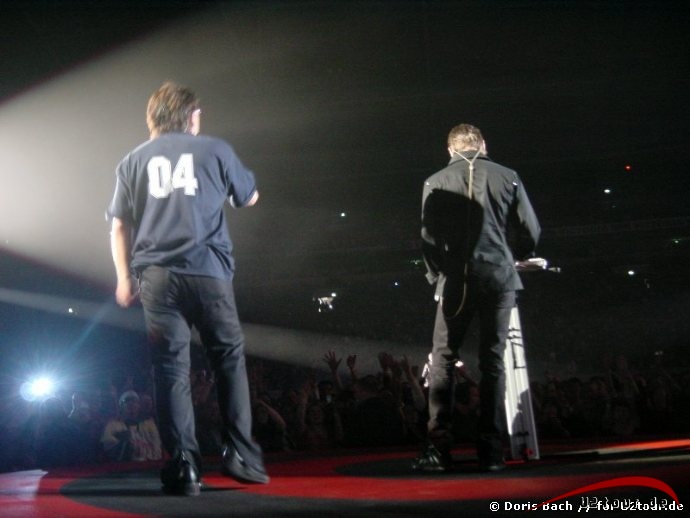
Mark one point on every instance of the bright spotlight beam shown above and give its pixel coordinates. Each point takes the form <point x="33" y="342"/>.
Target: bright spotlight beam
<point x="103" y="312"/>
<point x="37" y="389"/>
<point x="292" y="346"/>
<point x="42" y="387"/>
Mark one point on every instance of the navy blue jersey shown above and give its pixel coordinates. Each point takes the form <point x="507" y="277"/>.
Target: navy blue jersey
<point x="171" y="190"/>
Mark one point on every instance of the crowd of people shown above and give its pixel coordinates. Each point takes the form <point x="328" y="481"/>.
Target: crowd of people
<point x="115" y="423"/>
<point x="622" y="400"/>
<point x="299" y="409"/>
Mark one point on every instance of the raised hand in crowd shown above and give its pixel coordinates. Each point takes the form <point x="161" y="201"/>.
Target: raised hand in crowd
<point x="351" y="362"/>
<point x="333" y="363"/>
<point x="418" y="397"/>
<point x="391" y="373"/>
<point x="331" y="360"/>
<point x="386" y="362"/>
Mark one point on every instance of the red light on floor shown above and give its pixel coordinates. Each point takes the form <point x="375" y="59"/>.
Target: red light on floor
<point x="628" y="167"/>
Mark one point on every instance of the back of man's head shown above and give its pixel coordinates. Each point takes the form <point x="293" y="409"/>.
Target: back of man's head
<point x="465" y="137"/>
<point x="169" y="108"/>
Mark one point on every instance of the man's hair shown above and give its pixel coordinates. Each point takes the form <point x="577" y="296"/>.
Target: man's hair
<point x="465" y="137"/>
<point x="169" y="108"/>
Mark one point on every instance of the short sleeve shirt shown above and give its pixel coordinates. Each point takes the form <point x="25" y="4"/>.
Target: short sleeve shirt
<point x="172" y="190"/>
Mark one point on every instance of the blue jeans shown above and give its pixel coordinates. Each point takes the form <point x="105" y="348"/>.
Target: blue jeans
<point x="493" y="310"/>
<point x="173" y="303"/>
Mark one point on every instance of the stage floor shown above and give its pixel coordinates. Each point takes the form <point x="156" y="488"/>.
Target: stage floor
<point x="651" y="476"/>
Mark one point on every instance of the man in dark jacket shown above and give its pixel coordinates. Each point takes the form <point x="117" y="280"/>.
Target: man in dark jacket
<point x="476" y="221"/>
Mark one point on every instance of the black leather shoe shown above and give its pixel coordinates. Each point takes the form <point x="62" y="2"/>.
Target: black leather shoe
<point x="234" y="466"/>
<point x="180" y="477"/>
<point x="433" y="461"/>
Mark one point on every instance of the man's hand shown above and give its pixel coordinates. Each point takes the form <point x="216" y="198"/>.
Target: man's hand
<point x="386" y="361"/>
<point x="125" y="293"/>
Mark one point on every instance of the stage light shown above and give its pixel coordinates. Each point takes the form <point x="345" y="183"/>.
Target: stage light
<point x="324" y="304"/>
<point x="343" y="214"/>
<point x="39" y="388"/>
<point x="628" y="167"/>
<point x="607" y="191"/>
<point x="42" y="387"/>
<point x="631" y="273"/>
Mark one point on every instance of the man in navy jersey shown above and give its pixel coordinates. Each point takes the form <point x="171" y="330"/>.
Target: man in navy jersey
<point x="169" y="231"/>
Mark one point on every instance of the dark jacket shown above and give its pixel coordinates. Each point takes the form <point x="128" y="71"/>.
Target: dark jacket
<point x="476" y="238"/>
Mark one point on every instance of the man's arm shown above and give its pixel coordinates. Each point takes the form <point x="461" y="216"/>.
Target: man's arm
<point x="242" y="191"/>
<point x="120" y="246"/>
<point x="430" y="252"/>
<point x="528" y="227"/>
<point x="253" y="199"/>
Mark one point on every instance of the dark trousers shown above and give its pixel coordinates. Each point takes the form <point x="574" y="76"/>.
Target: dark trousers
<point x="493" y="310"/>
<point x="172" y="304"/>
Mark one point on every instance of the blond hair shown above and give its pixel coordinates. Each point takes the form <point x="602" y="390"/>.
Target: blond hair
<point x="465" y="137"/>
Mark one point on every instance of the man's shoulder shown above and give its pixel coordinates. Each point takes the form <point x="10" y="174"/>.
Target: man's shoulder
<point x="171" y="145"/>
<point x="141" y="149"/>
<point x="439" y="175"/>
<point x="449" y="175"/>
<point x="445" y="178"/>
<point x="178" y="140"/>
<point x="139" y="154"/>
<point x="496" y="168"/>
<point x="210" y="140"/>
<point x="210" y="147"/>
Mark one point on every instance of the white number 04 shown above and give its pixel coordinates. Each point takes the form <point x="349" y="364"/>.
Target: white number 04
<point x="163" y="179"/>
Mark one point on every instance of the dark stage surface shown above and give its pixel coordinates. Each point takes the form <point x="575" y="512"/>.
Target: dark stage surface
<point x="375" y="483"/>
